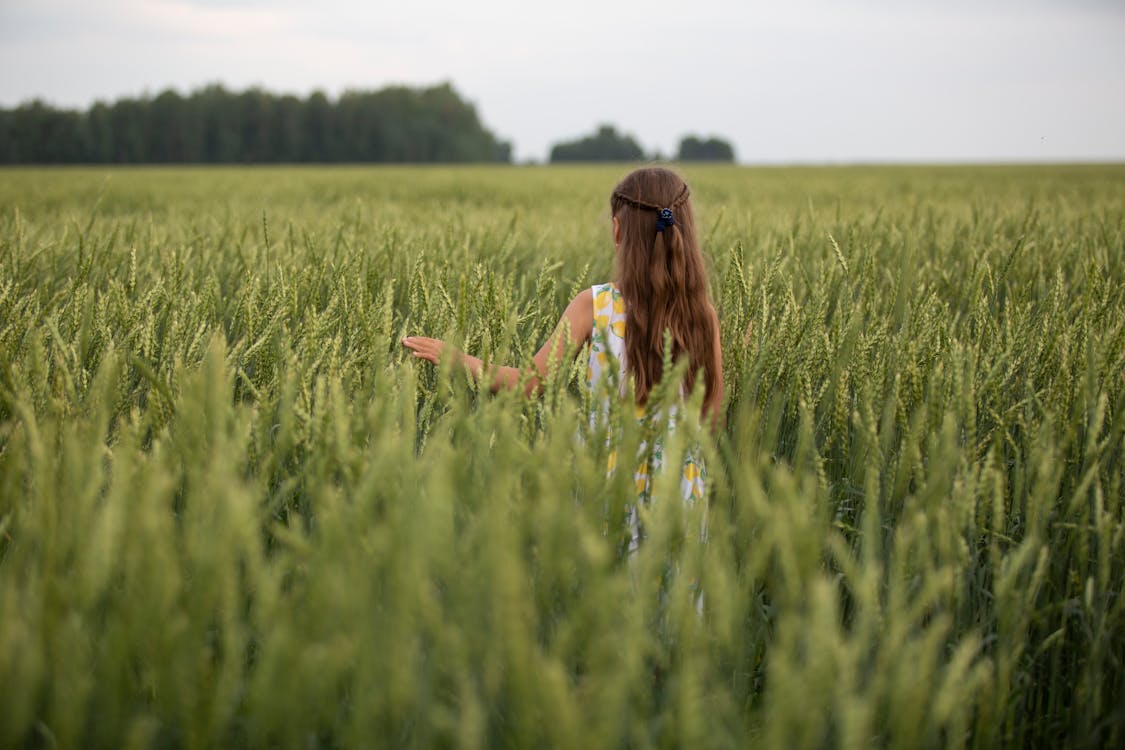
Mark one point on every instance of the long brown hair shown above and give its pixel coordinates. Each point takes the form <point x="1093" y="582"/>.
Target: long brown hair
<point x="662" y="277"/>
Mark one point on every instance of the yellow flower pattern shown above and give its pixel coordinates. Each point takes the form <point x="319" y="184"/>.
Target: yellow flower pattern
<point x="609" y="339"/>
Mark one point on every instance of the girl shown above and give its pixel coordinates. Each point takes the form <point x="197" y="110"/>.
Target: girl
<point x="659" y="287"/>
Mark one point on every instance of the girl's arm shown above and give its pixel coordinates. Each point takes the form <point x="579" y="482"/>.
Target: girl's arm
<point x="574" y="328"/>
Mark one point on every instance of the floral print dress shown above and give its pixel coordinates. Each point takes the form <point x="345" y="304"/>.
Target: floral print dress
<point x="607" y="352"/>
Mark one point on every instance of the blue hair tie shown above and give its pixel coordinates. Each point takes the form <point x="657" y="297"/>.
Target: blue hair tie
<point x="665" y="220"/>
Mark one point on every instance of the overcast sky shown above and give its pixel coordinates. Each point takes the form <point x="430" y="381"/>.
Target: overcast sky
<point x="783" y="80"/>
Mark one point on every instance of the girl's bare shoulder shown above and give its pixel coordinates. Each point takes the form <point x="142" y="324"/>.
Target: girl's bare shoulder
<point x="580" y="314"/>
<point x="582" y="303"/>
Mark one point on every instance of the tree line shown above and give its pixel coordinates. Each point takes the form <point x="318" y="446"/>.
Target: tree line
<point x="606" y="144"/>
<point x="214" y="125"/>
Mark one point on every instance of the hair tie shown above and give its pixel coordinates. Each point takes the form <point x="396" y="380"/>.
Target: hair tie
<point x="665" y="220"/>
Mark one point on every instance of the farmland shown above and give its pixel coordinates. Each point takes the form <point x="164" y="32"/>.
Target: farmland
<point x="234" y="512"/>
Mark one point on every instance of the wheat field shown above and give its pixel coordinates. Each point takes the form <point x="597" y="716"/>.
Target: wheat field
<point x="234" y="513"/>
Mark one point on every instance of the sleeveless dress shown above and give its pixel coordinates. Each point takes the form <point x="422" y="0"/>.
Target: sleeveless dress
<point x="607" y="350"/>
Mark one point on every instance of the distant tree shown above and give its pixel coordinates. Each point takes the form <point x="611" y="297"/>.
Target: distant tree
<point x="256" y="110"/>
<point x="44" y="134"/>
<point x="174" y="130"/>
<point x="604" y="145"/>
<point x="286" y="135"/>
<point x="128" y="126"/>
<point x="8" y="143"/>
<point x="221" y="124"/>
<point x="317" y="123"/>
<point x="710" y="149"/>
<point x="100" y="133"/>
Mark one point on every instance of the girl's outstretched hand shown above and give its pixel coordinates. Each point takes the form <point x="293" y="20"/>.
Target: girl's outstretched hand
<point x="425" y="348"/>
<point x="572" y="331"/>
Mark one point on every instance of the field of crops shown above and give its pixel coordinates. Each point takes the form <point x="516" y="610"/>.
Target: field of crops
<point x="233" y="512"/>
